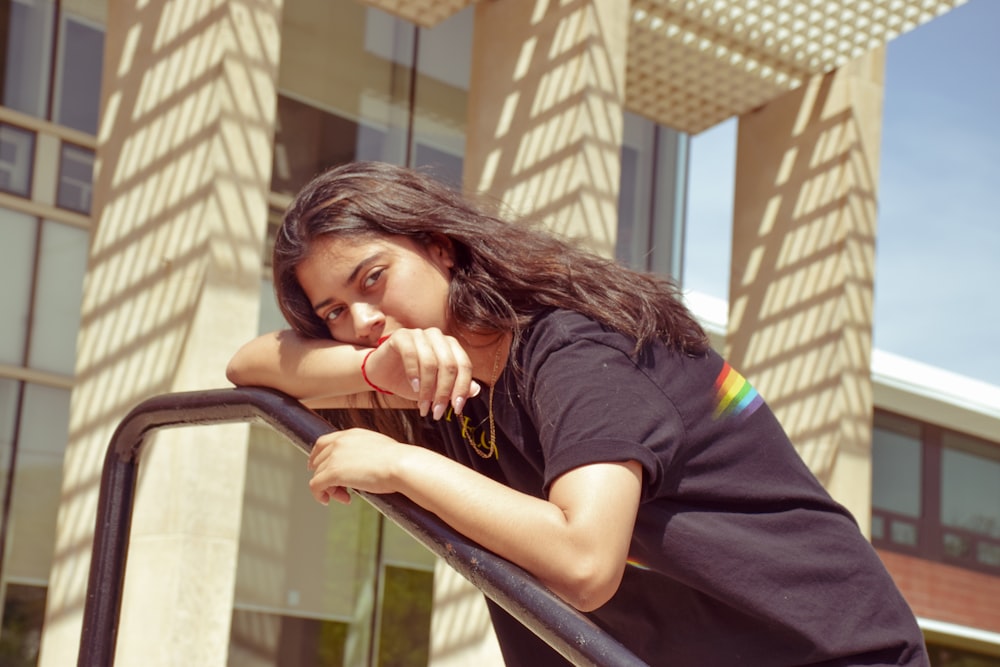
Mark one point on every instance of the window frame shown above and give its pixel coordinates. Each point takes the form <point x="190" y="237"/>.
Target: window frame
<point x="931" y="531"/>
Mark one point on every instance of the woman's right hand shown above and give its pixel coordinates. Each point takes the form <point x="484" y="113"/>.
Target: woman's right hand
<point x="424" y="365"/>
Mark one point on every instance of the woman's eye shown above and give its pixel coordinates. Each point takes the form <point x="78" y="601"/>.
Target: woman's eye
<point x="333" y="314"/>
<point x="373" y="277"/>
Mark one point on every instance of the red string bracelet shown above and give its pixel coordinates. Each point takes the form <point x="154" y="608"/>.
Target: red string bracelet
<point x="364" y="373"/>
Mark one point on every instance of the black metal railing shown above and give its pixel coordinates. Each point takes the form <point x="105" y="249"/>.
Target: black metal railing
<point x="519" y="593"/>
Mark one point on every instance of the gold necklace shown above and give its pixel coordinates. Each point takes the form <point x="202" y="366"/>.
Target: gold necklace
<point x="488" y="454"/>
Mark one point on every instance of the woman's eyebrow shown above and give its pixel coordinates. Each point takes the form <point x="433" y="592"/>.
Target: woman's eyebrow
<point x="361" y="267"/>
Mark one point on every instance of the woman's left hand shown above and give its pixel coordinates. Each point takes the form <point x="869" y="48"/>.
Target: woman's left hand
<point x="355" y="458"/>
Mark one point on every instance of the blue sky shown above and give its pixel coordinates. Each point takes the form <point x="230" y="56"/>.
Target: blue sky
<point x="937" y="285"/>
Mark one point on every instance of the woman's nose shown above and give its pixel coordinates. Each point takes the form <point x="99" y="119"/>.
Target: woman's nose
<point x="368" y="320"/>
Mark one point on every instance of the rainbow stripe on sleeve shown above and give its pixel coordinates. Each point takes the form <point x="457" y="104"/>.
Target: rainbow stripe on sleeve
<point x="637" y="564"/>
<point x="734" y="396"/>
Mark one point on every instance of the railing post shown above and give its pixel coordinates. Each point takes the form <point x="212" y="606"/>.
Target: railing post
<point x="562" y="627"/>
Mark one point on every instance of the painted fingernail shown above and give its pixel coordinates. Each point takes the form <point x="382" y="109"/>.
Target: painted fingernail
<point x="415" y="383"/>
<point x="458" y="404"/>
<point x="438" y="411"/>
<point x="474" y="389"/>
<point x="424" y="407"/>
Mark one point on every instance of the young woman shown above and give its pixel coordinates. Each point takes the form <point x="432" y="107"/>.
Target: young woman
<point x="573" y="420"/>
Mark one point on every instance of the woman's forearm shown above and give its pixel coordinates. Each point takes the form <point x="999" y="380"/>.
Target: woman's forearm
<point x="420" y="368"/>
<point x="308" y="369"/>
<point x="576" y="542"/>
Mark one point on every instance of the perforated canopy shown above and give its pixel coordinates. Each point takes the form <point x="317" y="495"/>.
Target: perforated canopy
<point x="695" y="63"/>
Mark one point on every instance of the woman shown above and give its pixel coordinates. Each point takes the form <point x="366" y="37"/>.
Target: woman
<point x="574" y="420"/>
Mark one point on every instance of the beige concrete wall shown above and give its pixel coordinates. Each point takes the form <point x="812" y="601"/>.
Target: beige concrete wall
<point x="545" y="111"/>
<point x="800" y="323"/>
<point x="544" y="134"/>
<point x="184" y="155"/>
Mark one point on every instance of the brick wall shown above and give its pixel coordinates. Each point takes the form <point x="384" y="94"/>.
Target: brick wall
<point x="946" y="593"/>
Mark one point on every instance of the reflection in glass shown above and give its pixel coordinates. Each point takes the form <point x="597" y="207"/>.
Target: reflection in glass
<point x="62" y="264"/>
<point x="988" y="554"/>
<point x="17" y="153"/>
<point x="878" y="528"/>
<point x="956" y="546"/>
<point x="271" y="318"/>
<point x="37" y="481"/>
<point x="307" y="140"/>
<point x="8" y="410"/>
<point x="17" y="250"/>
<point x="970" y="492"/>
<point x="76" y="176"/>
<point x="443" y="63"/>
<point x="404" y="639"/>
<point x="297" y="557"/>
<point x="270" y="640"/>
<point x="903" y="532"/>
<point x="949" y="656"/>
<point x="28" y="57"/>
<point x="78" y="81"/>
<point x="896" y="470"/>
<point x="23" y="613"/>
<point x="442" y="165"/>
<point x="651" y="197"/>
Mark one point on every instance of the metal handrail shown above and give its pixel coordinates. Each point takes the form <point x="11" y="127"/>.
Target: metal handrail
<point x="568" y="631"/>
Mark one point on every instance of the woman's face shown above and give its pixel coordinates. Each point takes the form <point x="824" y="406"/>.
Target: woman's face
<point x="366" y="288"/>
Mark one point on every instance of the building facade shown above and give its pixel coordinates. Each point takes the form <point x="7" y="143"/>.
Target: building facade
<point x="148" y="149"/>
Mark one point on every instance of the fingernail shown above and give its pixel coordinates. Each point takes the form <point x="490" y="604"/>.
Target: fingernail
<point x="438" y="411"/>
<point x="458" y="404"/>
<point x="424" y="406"/>
<point x="415" y="383"/>
<point x="474" y="389"/>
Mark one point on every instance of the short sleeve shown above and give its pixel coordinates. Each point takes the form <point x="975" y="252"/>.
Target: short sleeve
<point x="591" y="402"/>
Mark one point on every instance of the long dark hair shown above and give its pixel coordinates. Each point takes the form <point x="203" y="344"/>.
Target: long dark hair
<point x="504" y="274"/>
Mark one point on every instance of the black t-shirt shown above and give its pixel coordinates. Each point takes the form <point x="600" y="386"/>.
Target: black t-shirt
<point x="739" y="556"/>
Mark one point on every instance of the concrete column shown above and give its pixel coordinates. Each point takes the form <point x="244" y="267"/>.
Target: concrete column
<point x="172" y="288"/>
<point x="544" y="133"/>
<point x="800" y="322"/>
<point x="546" y="100"/>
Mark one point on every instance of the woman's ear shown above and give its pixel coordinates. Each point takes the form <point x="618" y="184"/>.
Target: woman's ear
<point x="442" y="251"/>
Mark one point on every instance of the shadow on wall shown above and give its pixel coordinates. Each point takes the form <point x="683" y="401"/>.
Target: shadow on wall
<point x="545" y="113"/>
<point x="183" y="167"/>
<point x="801" y="288"/>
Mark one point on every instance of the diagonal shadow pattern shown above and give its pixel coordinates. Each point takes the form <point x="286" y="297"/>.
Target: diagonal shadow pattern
<point x="801" y="287"/>
<point x="545" y="113"/>
<point x="181" y="183"/>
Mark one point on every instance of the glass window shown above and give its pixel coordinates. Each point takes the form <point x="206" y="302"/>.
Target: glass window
<point x="950" y="656"/>
<point x="271" y="640"/>
<point x="298" y="558"/>
<point x="970" y="492"/>
<point x="271" y="318"/>
<point x="897" y="473"/>
<point x="443" y="165"/>
<point x="443" y="64"/>
<point x="17" y="155"/>
<point x="896" y="467"/>
<point x="23" y="613"/>
<point x="404" y="635"/>
<point x="651" y="196"/>
<point x="936" y="493"/>
<point x="37" y="481"/>
<point x="29" y="53"/>
<point x="970" y="499"/>
<point x="8" y="415"/>
<point x="308" y="140"/>
<point x="76" y="175"/>
<point x="17" y="253"/>
<point x="77" y="96"/>
<point x="62" y="264"/>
